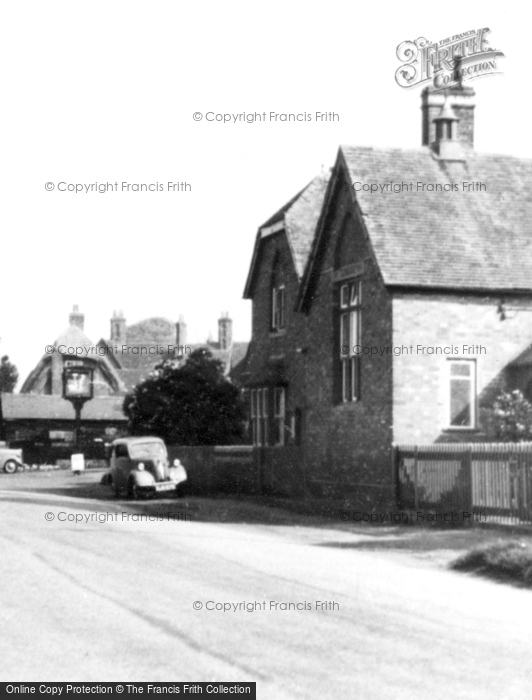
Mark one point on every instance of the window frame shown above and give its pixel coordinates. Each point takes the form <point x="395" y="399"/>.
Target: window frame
<point x="278" y="316"/>
<point x="349" y="329"/>
<point x="279" y="416"/>
<point x="259" y="416"/>
<point x="265" y="416"/>
<point x="253" y="415"/>
<point x="472" y="380"/>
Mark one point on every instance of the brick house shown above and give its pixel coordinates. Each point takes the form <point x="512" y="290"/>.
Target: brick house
<point x="390" y="303"/>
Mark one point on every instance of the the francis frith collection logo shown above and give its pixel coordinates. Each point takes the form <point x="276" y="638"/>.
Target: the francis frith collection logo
<point x="448" y="62"/>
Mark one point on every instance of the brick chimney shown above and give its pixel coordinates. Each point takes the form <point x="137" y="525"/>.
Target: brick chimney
<point x="76" y="318"/>
<point x="225" y="331"/>
<point x="180" y="334"/>
<point x="458" y="98"/>
<point x="118" y="327"/>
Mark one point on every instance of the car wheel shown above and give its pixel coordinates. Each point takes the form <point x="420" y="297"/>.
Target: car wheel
<point x="10" y="467"/>
<point x="116" y="489"/>
<point x="134" y="490"/>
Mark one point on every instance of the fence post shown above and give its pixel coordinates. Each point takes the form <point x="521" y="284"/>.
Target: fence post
<point x="416" y="495"/>
<point x="395" y="477"/>
<point x="467" y="480"/>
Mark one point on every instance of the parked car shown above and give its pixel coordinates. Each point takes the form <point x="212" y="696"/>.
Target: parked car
<point x="10" y="460"/>
<point x="139" y="466"/>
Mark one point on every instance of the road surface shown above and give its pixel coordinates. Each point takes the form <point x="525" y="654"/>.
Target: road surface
<point x="115" y="601"/>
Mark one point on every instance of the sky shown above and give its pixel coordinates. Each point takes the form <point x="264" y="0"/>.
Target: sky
<point x="106" y="92"/>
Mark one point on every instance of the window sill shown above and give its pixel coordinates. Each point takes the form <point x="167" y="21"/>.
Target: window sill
<point x="270" y="447"/>
<point x="457" y="429"/>
<point x="277" y="334"/>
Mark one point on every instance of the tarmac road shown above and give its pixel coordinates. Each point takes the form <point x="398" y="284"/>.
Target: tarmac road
<point x="115" y="601"/>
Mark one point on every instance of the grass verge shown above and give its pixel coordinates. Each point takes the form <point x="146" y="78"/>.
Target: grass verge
<point x="509" y="561"/>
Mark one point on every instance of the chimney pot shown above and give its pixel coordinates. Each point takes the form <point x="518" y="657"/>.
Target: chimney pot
<point x="76" y="318"/>
<point x="461" y="100"/>
<point x="180" y="335"/>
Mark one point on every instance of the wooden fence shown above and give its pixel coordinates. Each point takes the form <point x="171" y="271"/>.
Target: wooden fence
<point x="492" y="480"/>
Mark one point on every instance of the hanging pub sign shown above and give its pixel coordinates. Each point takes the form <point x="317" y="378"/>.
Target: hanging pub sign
<point x="77" y="383"/>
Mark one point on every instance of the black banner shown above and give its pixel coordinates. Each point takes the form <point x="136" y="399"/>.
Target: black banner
<point x="184" y="691"/>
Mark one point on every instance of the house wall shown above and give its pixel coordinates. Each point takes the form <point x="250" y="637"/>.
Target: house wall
<point x="273" y="357"/>
<point x="348" y="445"/>
<point x="420" y="380"/>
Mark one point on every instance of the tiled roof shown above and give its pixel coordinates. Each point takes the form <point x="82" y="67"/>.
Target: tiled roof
<point x="134" y="372"/>
<point x="238" y="353"/>
<point x="458" y="239"/>
<point x="279" y="215"/>
<point x="138" y="358"/>
<point x="299" y="216"/>
<point x="49" y="407"/>
<point x="230" y="357"/>
<point x="301" y="219"/>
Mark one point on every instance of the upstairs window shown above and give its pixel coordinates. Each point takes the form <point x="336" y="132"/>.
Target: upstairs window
<point x="348" y="341"/>
<point x="462" y="393"/>
<point x="278" y="296"/>
<point x="278" y="306"/>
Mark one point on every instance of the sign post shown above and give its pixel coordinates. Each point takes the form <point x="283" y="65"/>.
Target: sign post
<point x="77" y="388"/>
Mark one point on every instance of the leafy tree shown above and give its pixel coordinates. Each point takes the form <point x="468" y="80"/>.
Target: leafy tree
<point x="8" y="375"/>
<point x="510" y="418"/>
<point x="188" y="404"/>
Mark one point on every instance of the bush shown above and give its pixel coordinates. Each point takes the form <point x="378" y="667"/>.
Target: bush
<point x="507" y="560"/>
<point x="187" y="403"/>
<point x="510" y="418"/>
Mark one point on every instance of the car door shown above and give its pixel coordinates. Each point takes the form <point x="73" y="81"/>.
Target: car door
<point x="121" y="465"/>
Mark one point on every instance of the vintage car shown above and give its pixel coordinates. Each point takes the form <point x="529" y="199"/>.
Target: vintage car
<point x="10" y="460"/>
<point x="139" y="466"/>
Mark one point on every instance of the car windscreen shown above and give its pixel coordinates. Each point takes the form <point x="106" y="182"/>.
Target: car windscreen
<point x="147" y="450"/>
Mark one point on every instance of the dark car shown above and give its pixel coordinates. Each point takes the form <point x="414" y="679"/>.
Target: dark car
<point x="10" y="460"/>
<point x="140" y="467"/>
